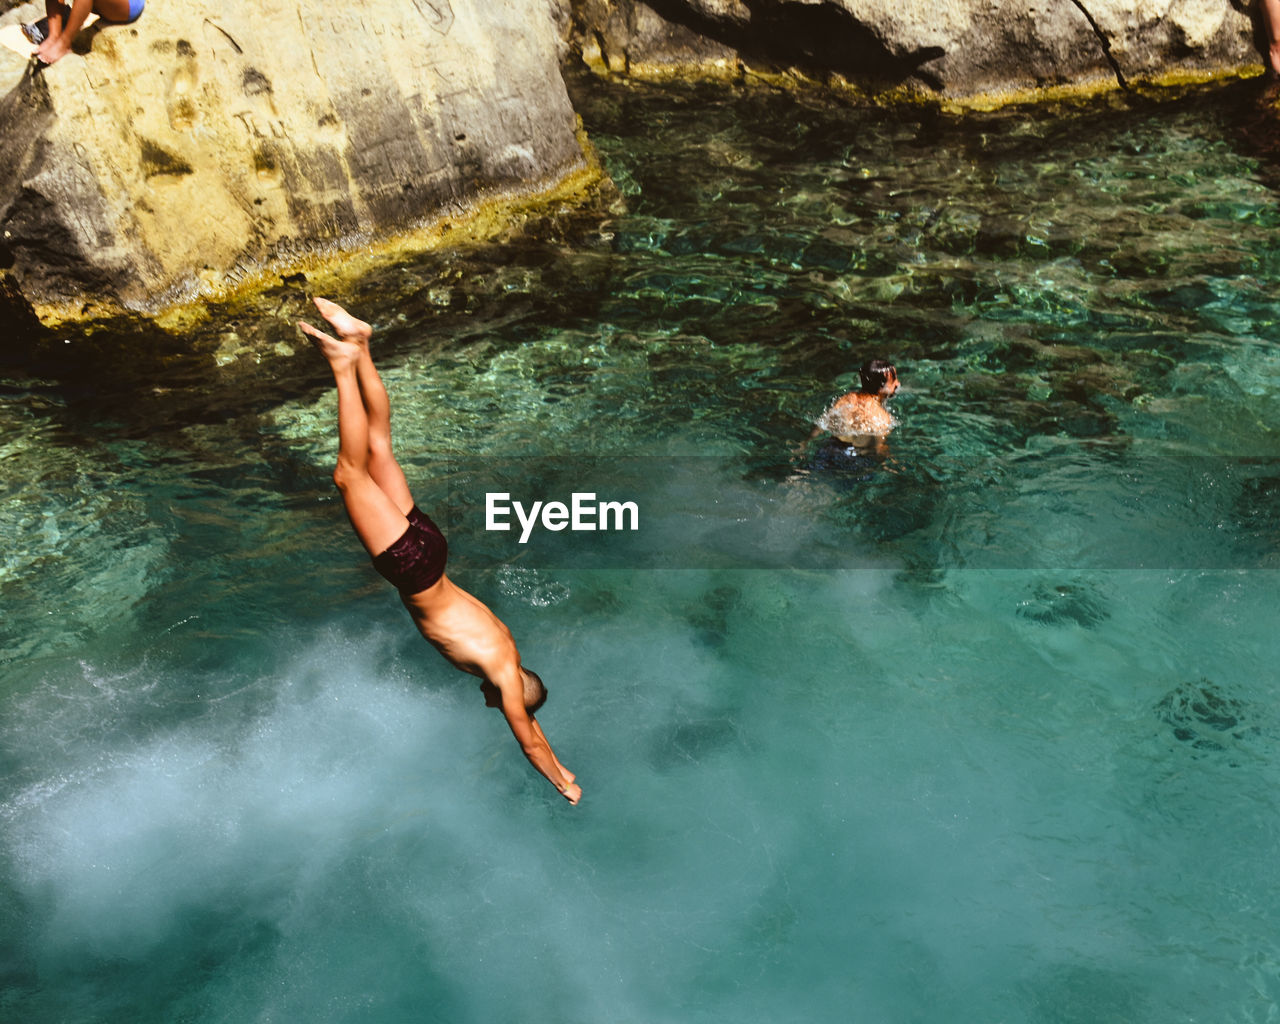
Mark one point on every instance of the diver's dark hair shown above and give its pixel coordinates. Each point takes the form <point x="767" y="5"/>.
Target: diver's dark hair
<point x="535" y="694"/>
<point x="875" y="374"/>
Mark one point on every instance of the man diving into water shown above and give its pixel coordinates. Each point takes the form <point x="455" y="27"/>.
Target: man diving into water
<point x="409" y="550"/>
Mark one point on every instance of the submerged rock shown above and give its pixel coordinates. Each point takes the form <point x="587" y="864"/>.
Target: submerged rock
<point x="190" y="149"/>
<point x="955" y="49"/>
<point x="1064" y="603"/>
<point x="1202" y="715"/>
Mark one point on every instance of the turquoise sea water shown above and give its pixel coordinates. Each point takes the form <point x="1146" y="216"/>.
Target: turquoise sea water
<point x="982" y="728"/>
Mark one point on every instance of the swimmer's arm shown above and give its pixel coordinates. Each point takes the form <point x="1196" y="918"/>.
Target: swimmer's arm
<point x="532" y="741"/>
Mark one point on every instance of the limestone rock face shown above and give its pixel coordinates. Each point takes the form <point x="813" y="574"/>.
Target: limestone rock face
<point x="208" y="139"/>
<point x="948" y="48"/>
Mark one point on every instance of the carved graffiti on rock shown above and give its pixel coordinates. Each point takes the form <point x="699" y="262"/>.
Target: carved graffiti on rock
<point x="439" y="14"/>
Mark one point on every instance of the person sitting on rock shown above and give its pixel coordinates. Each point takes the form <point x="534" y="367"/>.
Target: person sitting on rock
<point x="54" y="33"/>
<point x="860" y="417"/>
<point x="409" y="550"/>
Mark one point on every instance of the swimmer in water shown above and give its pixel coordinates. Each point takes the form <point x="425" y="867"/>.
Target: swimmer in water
<point x="409" y="550"/>
<point x="860" y="417"/>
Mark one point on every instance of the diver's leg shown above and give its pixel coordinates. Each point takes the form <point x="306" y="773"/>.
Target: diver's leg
<point x="383" y="467"/>
<point x="376" y="519"/>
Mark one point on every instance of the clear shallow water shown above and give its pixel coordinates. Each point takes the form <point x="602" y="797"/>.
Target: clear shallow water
<point x="988" y="722"/>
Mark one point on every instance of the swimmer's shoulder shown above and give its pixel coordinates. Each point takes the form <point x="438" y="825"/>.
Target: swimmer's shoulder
<point x="849" y="402"/>
<point x="855" y="415"/>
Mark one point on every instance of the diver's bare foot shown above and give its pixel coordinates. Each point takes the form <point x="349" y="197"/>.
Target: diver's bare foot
<point x="348" y="327"/>
<point x="339" y="353"/>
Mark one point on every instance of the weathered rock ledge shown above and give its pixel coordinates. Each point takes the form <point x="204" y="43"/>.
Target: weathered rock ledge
<point x="190" y="152"/>
<point x="954" y="50"/>
<point x="187" y="151"/>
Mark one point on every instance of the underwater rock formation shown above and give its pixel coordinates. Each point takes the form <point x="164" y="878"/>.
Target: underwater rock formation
<point x="957" y="48"/>
<point x="184" y="152"/>
<point x="1203" y="715"/>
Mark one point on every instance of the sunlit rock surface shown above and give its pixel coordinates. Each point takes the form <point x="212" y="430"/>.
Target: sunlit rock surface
<point x="186" y="151"/>
<point x="953" y="48"/>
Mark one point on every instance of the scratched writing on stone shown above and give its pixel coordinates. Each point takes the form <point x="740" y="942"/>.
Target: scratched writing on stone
<point x="439" y="14"/>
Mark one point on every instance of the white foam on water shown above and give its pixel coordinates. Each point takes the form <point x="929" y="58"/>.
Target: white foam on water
<point x="352" y="819"/>
<point x="151" y="828"/>
<point x="804" y="793"/>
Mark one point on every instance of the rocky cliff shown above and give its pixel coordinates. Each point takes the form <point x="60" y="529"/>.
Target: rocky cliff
<point x="188" y="151"/>
<point x="956" y="49"/>
<point x="207" y="140"/>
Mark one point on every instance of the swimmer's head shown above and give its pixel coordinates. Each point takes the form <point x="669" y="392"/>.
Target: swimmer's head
<point x="535" y="694"/>
<point x="879" y="377"/>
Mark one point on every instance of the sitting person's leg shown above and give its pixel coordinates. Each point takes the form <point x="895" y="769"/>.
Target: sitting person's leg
<point x="116" y="10"/>
<point x="1271" y="23"/>
<point x="55" y="33"/>
<point x="65" y="20"/>
<point x="47" y="32"/>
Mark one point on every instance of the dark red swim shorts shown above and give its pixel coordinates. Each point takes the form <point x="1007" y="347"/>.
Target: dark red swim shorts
<point x="416" y="561"/>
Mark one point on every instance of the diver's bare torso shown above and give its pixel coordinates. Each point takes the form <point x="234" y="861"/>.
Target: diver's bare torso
<point x="462" y="628"/>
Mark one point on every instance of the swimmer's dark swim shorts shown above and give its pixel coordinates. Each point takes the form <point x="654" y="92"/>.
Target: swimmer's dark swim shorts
<point x="416" y="561"/>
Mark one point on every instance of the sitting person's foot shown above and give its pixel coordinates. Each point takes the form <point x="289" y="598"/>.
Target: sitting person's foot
<point x="347" y="326"/>
<point x="52" y="50"/>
